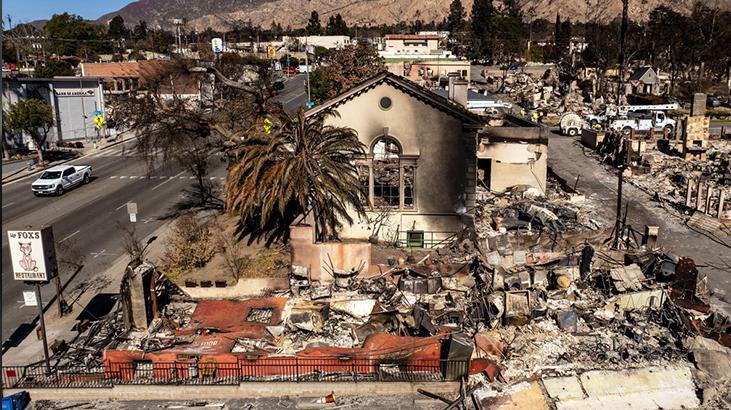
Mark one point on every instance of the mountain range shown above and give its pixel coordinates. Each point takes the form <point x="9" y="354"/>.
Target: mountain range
<point x="223" y="15"/>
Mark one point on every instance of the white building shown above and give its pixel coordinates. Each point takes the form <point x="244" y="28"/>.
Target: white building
<point x="331" y="42"/>
<point x="412" y="47"/>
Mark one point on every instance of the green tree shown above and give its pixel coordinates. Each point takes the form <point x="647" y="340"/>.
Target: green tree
<point x="314" y="28"/>
<point x="336" y="26"/>
<point x="320" y="86"/>
<point x="53" y="68"/>
<point x="289" y="61"/>
<point x="455" y="19"/>
<point x="34" y="117"/>
<point x="117" y="29"/>
<point x="140" y="31"/>
<point x="304" y="168"/>
<point x="481" y="29"/>
<point x="69" y="34"/>
<point x="348" y="66"/>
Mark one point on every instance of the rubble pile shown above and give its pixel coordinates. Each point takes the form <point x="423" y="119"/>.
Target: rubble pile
<point x="523" y="210"/>
<point x="546" y="94"/>
<point x="517" y="308"/>
<point x="668" y="175"/>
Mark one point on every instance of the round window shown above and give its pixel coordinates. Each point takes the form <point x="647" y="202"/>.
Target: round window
<point x="385" y="103"/>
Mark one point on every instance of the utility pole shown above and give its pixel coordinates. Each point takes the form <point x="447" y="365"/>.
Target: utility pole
<point x="622" y="33"/>
<point x="618" y="228"/>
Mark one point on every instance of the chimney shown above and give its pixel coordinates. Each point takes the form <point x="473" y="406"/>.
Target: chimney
<point x="458" y="91"/>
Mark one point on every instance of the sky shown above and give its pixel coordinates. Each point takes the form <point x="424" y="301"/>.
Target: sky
<point x="23" y="11"/>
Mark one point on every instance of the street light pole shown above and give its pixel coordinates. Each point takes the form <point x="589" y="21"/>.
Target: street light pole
<point x="307" y="69"/>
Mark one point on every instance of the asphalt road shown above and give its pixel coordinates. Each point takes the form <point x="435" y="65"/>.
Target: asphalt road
<point x="86" y="221"/>
<point x="294" y="94"/>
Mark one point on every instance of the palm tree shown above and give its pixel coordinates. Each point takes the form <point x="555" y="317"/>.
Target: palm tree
<point x="304" y="168"/>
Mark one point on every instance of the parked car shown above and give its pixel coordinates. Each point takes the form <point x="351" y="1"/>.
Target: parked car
<point x="57" y="180"/>
<point x="712" y="102"/>
<point x="290" y="70"/>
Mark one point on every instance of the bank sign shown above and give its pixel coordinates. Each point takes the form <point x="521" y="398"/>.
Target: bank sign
<point x="74" y="92"/>
<point x="33" y="254"/>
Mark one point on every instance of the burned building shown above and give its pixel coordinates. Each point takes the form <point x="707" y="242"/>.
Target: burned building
<point x="420" y="165"/>
<point x="512" y="155"/>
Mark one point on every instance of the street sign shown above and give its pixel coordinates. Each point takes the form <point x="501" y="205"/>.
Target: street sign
<point x="98" y="112"/>
<point x="33" y="254"/>
<point x="98" y="121"/>
<point x="29" y="298"/>
<point x="131" y="207"/>
<point x="271" y="52"/>
<point x="310" y="104"/>
<point x="132" y="211"/>
<point x="217" y="45"/>
<point x="267" y="126"/>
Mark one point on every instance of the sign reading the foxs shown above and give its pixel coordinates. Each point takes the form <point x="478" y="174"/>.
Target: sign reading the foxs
<point x="33" y="254"/>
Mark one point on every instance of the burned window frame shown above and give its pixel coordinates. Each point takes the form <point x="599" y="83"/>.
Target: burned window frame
<point x="406" y="163"/>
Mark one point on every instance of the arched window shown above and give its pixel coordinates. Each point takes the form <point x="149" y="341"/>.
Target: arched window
<point x="387" y="172"/>
<point x="388" y="176"/>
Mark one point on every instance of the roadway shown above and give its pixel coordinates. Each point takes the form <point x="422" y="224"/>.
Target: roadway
<point x="294" y="94"/>
<point x="86" y="221"/>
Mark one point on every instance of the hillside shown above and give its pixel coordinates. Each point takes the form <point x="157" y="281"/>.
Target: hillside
<point x="222" y="14"/>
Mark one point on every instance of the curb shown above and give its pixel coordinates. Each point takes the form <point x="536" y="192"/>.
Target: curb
<point x="10" y="178"/>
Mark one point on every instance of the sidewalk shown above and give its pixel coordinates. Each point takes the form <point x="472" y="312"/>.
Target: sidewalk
<point x="30" y="350"/>
<point x="86" y="151"/>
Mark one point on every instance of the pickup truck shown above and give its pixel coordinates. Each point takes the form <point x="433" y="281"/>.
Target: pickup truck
<point x="58" y="179"/>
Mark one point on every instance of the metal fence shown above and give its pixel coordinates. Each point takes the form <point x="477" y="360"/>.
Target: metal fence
<point x="426" y="239"/>
<point x="213" y="373"/>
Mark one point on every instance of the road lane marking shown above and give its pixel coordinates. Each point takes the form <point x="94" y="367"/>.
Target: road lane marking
<point x="167" y="180"/>
<point x="134" y="177"/>
<point x="120" y="207"/>
<point x="112" y="177"/>
<point x="100" y="253"/>
<point x="123" y="177"/>
<point x="7" y="205"/>
<point x="69" y="236"/>
<point x="293" y="98"/>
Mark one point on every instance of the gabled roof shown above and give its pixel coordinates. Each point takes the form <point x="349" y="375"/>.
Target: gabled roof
<point x="408" y="87"/>
<point x="640" y="73"/>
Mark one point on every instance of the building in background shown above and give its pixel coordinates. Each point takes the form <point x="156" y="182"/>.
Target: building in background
<point x="331" y="42"/>
<point x="133" y="76"/>
<point x="74" y="101"/>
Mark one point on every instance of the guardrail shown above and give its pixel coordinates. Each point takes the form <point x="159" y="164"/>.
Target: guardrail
<point x="212" y="373"/>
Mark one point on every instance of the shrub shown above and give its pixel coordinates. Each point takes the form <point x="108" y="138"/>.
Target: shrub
<point x="190" y="246"/>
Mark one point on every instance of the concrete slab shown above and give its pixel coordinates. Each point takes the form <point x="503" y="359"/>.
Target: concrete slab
<point x="564" y="388"/>
<point x="646" y="388"/>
